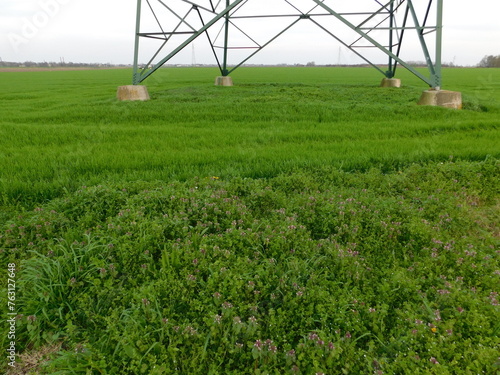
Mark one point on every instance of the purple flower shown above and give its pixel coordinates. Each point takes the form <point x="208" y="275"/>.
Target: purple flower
<point x="190" y="331"/>
<point x="437" y="316"/>
<point x="258" y="345"/>
<point x="313" y="336"/>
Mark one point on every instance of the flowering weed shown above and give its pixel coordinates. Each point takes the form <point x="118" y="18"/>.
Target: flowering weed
<point x="318" y="271"/>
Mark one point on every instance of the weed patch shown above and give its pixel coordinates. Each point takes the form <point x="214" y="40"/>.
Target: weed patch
<point x="311" y="271"/>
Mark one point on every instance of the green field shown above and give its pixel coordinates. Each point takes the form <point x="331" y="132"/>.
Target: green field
<point x="303" y="221"/>
<point x="60" y="130"/>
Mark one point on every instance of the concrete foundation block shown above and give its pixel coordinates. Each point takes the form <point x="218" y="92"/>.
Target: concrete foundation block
<point x="132" y="92"/>
<point x="390" y="82"/>
<point x="441" y="98"/>
<point x="223" y="81"/>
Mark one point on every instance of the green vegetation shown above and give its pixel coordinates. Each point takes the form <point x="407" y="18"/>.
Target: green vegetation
<point x="304" y="221"/>
<point x="490" y="62"/>
<point x="61" y="130"/>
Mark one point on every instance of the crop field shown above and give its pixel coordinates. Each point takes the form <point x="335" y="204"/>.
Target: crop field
<point x="304" y="221"/>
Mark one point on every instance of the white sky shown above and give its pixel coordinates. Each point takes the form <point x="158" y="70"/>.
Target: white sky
<point x="102" y="31"/>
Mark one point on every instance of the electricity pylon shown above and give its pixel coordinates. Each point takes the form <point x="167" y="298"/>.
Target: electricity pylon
<point x="248" y="26"/>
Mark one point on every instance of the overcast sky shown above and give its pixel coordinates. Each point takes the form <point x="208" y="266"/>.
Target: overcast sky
<point x="102" y="31"/>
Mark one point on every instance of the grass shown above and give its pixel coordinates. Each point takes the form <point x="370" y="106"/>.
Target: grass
<point x="63" y="129"/>
<point x="324" y="272"/>
<point x="304" y="221"/>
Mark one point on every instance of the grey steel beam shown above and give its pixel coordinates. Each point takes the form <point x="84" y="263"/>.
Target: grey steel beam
<point x="390" y="72"/>
<point x="135" y="74"/>
<point x="374" y="42"/>
<point x="423" y="43"/>
<point x="266" y="44"/>
<point x="439" y="45"/>
<point x="320" y="9"/>
<point x="139" y="78"/>
<point x="224" y="71"/>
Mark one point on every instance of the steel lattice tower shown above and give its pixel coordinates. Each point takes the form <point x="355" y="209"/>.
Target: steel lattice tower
<point x="358" y="26"/>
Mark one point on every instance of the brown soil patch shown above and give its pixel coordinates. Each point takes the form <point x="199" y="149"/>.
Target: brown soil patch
<point x="31" y="362"/>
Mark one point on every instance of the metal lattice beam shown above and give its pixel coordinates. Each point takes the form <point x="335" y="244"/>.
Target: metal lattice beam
<point x="394" y="19"/>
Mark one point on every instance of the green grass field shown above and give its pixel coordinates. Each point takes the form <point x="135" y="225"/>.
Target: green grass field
<point x="304" y="221"/>
<point x="60" y="130"/>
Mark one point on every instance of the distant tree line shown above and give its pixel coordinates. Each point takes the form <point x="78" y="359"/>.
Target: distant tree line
<point x="31" y="64"/>
<point x="490" y="62"/>
<point x="487" y="62"/>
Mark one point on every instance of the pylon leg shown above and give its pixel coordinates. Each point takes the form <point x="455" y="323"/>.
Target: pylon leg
<point x="223" y="81"/>
<point x="132" y="92"/>
<point x="390" y="82"/>
<point x="442" y="98"/>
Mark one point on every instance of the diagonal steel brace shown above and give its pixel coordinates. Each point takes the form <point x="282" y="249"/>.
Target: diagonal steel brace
<point x="138" y="77"/>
